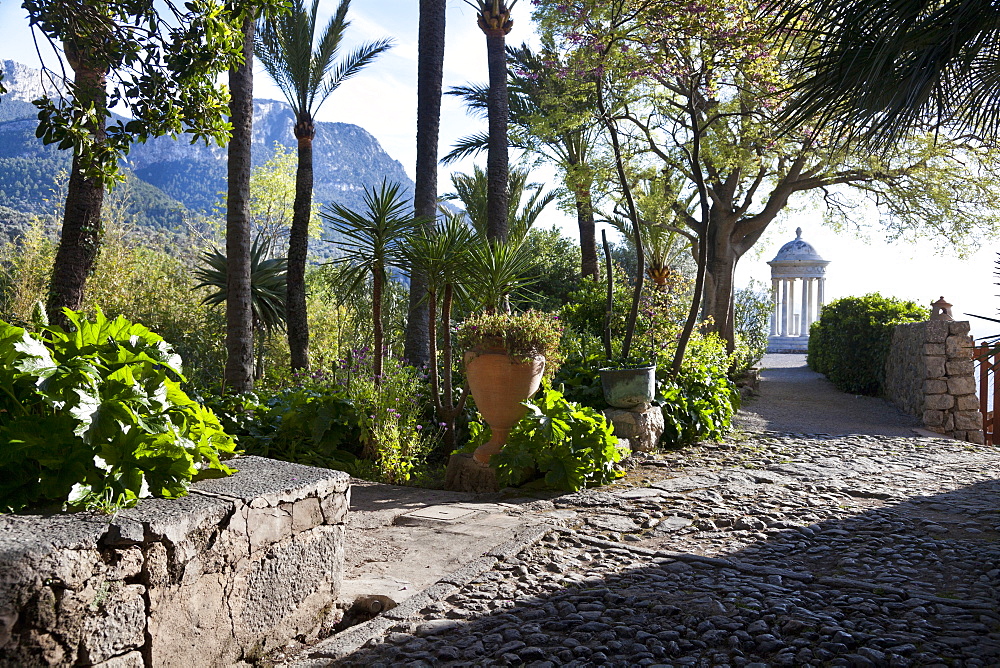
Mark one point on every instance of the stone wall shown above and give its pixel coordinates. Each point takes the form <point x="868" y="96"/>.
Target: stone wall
<point x="930" y="374"/>
<point x="226" y="574"/>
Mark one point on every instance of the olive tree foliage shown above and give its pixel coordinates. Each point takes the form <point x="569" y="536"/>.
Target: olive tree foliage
<point x="159" y="64"/>
<point x="697" y="92"/>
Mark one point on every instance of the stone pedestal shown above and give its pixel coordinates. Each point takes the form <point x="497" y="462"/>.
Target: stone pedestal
<point x="465" y="474"/>
<point x="642" y="426"/>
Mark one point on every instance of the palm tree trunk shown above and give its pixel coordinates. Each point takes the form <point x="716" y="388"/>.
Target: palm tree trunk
<point x="239" y="311"/>
<point x="496" y="157"/>
<point x="430" y="74"/>
<point x="81" y="231"/>
<point x="298" y="247"/>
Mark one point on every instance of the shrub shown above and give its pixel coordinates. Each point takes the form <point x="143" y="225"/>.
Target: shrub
<point x="850" y="341"/>
<point x="558" y="444"/>
<point x="698" y="405"/>
<point x="96" y="418"/>
<point x="341" y="420"/>
<point x="751" y="322"/>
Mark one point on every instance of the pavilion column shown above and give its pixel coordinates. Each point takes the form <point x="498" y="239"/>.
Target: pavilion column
<point x="804" y="306"/>
<point x="790" y="308"/>
<point x="775" y="306"/>
<point x="821" y="301"/>
<point x="784" y="307"/>
<point x="807" y="320"/>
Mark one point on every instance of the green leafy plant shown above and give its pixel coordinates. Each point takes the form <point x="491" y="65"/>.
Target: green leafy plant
<point x="697" y="404"/>
<point x="559" y="444"/>
<point x="751" y="321"/>
<point x="97" y="414"/>
<point x="850" y="341"/>
<point x="520" y="335"/>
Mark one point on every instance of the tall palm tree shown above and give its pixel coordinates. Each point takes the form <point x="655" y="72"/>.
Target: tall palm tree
<point x="495" y="22"/>
<point x="880" y="70"/>
<point x="239" y="299"/>
<point x="551" y="117"/>
<point x="430" y="74"/>
<point x="307" y="75"/>
<point x="473" y="191"/>
<point x="371" y="240"/>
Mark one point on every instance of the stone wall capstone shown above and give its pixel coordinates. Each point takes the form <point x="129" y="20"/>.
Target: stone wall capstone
<point x="929" y="373"/>
<point x="224" y="575"/>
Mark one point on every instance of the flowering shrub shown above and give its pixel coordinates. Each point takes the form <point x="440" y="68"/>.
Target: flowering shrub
<point x="520" y="335"/>
<point x="341" y="419"/>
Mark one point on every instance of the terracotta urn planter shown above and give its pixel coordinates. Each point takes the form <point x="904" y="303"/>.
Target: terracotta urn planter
<point x="499" y="385"/>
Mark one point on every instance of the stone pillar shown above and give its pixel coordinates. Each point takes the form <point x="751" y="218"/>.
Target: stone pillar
<point x="808" y="319"/>
<point x="775" y="314"/>
<point x="820" y="300"/>
<point x="784" y="308"/>
<point x="930" y="374"/>
<point x="791" y="306"/>
<point x="803" y="331"/>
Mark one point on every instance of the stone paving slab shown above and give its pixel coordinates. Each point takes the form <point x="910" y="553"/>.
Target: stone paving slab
<point x="789" y="550"/>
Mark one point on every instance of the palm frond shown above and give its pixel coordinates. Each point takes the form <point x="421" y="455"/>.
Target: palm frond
<point x="467" y="147"/>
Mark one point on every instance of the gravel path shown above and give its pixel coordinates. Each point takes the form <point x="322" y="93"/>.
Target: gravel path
<point x="777" y="550"/>
<point x="793" y="398"/>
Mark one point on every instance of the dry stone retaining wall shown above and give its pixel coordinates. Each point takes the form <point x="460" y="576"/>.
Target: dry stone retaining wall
<point x="234" y="570"/>
<point x="930" y="374"/>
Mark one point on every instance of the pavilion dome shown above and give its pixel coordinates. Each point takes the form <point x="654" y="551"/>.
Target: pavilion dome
<point x="797" y="250"/>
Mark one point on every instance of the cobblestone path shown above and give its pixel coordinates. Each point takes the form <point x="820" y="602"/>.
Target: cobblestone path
<point x="780" y="550"/>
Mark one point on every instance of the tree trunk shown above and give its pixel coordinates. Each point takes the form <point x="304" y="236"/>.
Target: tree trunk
<point x="81" y="230"/>
<point x="239" y="305"/>
<point x="430" y="69"/>
<point x="298" y="247"/>
<point x="719" y="281"/>
<point x="377" y="326"/>
<point x="588" y="237"/>
<point x="496" y="158"/>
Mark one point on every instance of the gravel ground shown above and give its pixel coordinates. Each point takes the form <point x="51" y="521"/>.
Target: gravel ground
<point x="793" y="398"/>
<point x="781" y="549"/>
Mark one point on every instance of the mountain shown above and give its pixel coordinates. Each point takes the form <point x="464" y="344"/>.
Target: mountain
<point x="172" y="177"/>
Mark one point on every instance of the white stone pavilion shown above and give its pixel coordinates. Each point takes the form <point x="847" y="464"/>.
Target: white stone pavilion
<point x="798" y="278"/>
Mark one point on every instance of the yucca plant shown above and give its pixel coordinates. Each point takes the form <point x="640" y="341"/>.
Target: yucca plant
<point x="443" y="256"/>
<point x="371" y="243"/>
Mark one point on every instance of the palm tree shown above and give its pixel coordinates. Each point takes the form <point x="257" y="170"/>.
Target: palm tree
<point x="550" y="116"/>
<point x="494" y="20"/>
<point x="882" y="70"/>
<point x="371" y="241"/>
<point x="430" y="74"/>
<point x="267" y="287"/>
<point x="473" y="191"/>
<point x="239" y="292"/>
<point x="307" y="76"/>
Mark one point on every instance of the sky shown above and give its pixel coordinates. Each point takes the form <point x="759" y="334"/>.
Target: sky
<point x="382" y="100"/>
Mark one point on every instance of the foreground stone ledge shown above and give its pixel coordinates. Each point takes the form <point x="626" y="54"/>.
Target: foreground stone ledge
<point x="226" y="574"/>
